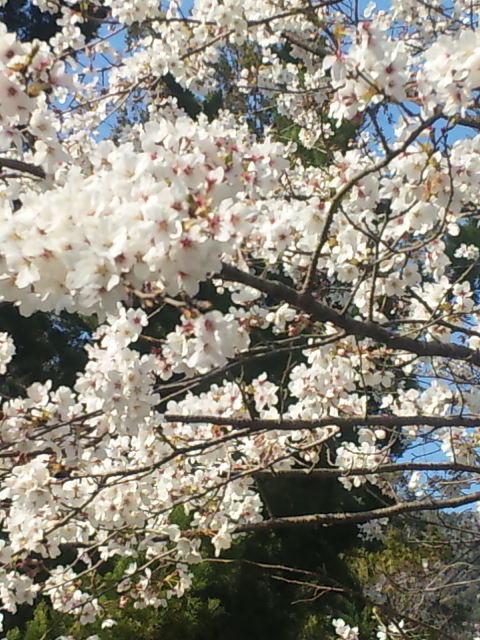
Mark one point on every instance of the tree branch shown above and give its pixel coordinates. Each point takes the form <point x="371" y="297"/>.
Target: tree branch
<point x="294" y="474"/>
<point x="24" y="167"/>
<point x="342" y="423"/>
<point x="322" y="313"/>
<point x="467" y="121"/>
<point x="327" y="519"/>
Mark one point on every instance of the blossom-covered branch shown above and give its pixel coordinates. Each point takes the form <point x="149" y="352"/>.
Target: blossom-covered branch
<point x="322" y="313"/>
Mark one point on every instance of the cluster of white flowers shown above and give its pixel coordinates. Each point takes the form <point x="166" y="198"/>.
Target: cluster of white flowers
<point x="375" y="65"/>
<point x="344" y="630"/>
<point x="201" y="343"/>
<point x="7" y="351"/>
<point x="452" y="69"/>
<point x="374" y="530"/>
<point x="16" y="105"/>
<point x="163" y="213"/>
<point x="391" y="631"/>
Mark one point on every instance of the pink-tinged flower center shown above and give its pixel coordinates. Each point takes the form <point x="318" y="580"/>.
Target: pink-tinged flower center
<point x="209" y="325"/>
<point x="186" y="242"/>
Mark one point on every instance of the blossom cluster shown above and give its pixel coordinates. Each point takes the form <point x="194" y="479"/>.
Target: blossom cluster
<point x="165" y="212"/>
<point x="7" y="351"/>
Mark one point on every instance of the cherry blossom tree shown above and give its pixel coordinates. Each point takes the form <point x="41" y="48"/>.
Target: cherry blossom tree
<point x="344" y="270"/>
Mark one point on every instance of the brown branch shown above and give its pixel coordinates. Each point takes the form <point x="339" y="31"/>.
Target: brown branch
<point x="294" y="474"/>
<point x="343" y="423"/>
<point x="24" y="167"/>
<point x="331" y="584"/>
<point x="204" y="46"/>
<point x="322" y="313"/>
<point x="328" y="519"/>
<point x="467" y="121"/>
<point x="292" y="12"/>
<point x="316" y="51"/>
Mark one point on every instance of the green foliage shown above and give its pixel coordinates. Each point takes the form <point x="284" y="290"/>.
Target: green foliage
<point x="408" y="565"/>
<point x="40" y="627"/>
<point x="48" y="347"/>
<point x="253" y="593"/>
<point x="322" y="153"/>
<point x="461" y="268"/>
<point x="189" y="618"/>
<point x="26" y="19"/>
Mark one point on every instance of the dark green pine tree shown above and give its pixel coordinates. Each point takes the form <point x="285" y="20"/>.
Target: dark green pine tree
<point x="462" y="268"/>
<point x="28" y="22"/>
<point x="48" y="347"/>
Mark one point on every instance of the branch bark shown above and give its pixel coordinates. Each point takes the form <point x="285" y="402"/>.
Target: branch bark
<point x="342" y="423"/>
<point x="395" y="467"/>
<point x="23" y="167"/>
<point x="328" y="519"/>
<point x="322" y="313"/>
